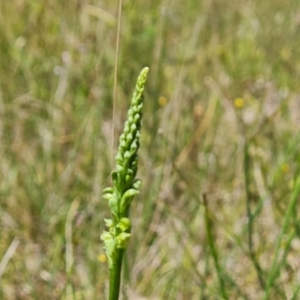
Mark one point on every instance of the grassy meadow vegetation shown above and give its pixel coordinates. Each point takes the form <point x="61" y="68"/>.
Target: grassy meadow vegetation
<point x="218" y="212"/>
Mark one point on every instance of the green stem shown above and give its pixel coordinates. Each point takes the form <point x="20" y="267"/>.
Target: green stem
<point x="115" y="276"/>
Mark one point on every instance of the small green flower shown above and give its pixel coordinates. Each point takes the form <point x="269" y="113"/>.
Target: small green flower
<point x="122" y="240"/>
<point x="124" y="224"/>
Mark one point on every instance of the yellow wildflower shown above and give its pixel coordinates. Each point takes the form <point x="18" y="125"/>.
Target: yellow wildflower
<point x="239" y="102"/>
<point x="162" y="101"/>
<point x="102" y="258"/>
<point x="285" y="167"/>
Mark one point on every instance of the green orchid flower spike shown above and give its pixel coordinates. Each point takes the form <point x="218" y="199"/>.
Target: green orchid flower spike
<point x="125" y="187"/>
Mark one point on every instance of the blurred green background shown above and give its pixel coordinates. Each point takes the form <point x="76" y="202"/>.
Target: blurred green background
<point x="221" y="122"/>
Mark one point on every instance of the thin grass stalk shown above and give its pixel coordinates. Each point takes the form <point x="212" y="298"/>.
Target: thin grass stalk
<point x="251" y="216"/>
<point x="69" y="249"/>
<point x="115" y="78"/>
<point x="213" y="248"/>
<point x="289" y="215"/>
<point x="295" y="296"/>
